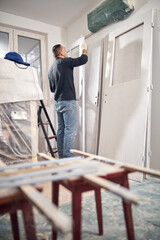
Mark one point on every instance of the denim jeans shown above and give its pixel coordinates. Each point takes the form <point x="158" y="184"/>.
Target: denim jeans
<point x="67" y="127"/>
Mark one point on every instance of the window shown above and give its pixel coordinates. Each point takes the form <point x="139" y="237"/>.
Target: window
<point x="4" y="44"/>
<point x="128" y="55"/>
<point x="30" y="50"/>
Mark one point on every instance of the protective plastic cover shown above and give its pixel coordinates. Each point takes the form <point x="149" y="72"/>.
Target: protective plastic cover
<point x="109" y="11"/>
<point x="18" y="83"/>
<point x="18" y="132"/>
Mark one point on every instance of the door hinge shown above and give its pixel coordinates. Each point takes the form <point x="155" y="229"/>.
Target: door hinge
<point x="150" y="88"/>
<point x="143" y="159"/>
<point x="97" y="102"/>
<point x="152" y="24"/>
<point x="149" y="153"/>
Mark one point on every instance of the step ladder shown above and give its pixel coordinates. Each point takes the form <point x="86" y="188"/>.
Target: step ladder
<point x="49" y="123"/>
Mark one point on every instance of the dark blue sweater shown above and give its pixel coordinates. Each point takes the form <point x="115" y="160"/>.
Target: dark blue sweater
<point x="61" y="77"/>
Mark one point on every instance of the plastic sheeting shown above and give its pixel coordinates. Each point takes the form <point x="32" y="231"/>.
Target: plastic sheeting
<point x="18" y="132"/>
<point x="18" y="83"/>
<point x="108" y="12"/>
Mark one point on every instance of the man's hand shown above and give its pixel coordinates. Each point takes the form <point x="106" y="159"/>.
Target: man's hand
<point x="84" y="46"/>
<point x="84" y="51"/>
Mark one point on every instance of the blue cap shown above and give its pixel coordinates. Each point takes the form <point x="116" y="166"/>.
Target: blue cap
<point x="16" y="57"/>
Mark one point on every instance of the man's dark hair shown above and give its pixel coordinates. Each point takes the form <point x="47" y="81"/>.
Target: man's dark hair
<point x="56" y="50"/>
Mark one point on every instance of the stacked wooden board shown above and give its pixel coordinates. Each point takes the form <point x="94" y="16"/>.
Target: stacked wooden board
<point x="22" y="178"/>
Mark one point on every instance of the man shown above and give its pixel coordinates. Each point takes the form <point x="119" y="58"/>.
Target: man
<point x="62" y="84"/>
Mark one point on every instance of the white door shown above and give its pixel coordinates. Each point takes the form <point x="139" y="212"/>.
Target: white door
<point x="87" y="81"/>
<point x="125" y="92"/>
<point x="79" y="80"/>
<point x="93" y="74"/>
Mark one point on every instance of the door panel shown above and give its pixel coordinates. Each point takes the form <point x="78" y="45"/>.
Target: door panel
<point x="125" y="96"/>
<point x="78" y="139"/>
<point x="87" y="94"/>
<point x="93" y="84"/>
<point x="79" y="80"/>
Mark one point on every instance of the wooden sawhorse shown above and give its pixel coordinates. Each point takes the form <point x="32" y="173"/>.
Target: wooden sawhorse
<point x="11" y="201"/>
<point x="77" y="187"/>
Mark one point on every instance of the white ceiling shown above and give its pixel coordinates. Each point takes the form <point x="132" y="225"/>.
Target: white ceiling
<point x="59" y="13"/>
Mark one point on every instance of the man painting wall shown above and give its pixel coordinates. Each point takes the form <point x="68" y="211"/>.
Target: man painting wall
<point x="62" y="84"/>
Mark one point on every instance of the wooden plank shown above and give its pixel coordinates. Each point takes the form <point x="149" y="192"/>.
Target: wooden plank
<point x="34" y="130"/>
<point x="25" y="171"/>
<point x="72" y="159"/>
<point x="47" y="157"/>
<point x="130" y="167"/>
<point x="9" y="195"/>
<point x="118" y="190"/>
<point x="41" y="163"/>
<point x="47" y="178"/>
<point x="2" y="164"/>
<point x="59" y="220"/>
<point x="28" y="173"/>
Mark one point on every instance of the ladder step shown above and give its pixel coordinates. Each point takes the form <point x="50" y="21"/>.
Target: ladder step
<point x="46" y="123"/>
<point x="49" y="123"/>
<point x="55" y="151"/>
<point x="52" y="137"/>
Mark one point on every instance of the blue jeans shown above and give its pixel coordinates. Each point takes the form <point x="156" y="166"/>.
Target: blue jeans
<point x="67" y="127"/>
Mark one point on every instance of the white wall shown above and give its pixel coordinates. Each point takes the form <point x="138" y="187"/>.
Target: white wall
<point x="55" y="34"/>
<point x="80" y="27"/>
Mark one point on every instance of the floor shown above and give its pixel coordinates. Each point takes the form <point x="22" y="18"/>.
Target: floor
<point x="146" y="215"/>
